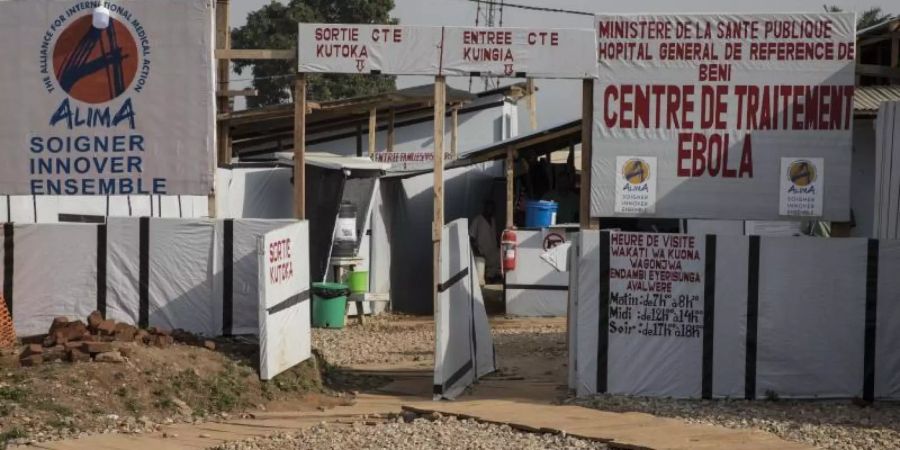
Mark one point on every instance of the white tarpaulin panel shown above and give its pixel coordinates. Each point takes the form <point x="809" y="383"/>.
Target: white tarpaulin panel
<point x="126" y="109"/>
<point x="792" y="317"/>
<point x="811" y="321"/>
<point x="887" y="336"/>
<point x="519" y="52"/>
<point x="730" y="317"/>
<point x="284" y="306"/>
<point x="123" y="269"/>
<point x="245" y="273"/>
<point x="588" y="314"/>
<point x="354" y="48"/>
<point x="53" y="275"/>
<point x="887" y="172"/>
<point x="464" y="348"/>
<point x="656" y="310"/>
<point x="182" y="289"/>
<point x="696" y="112"/>
<point x="537" y="287"/>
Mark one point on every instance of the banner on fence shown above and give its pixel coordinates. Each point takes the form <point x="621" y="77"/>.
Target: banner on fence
<point x="451" y="51"/>
<point x="121" y="106"/>
<point x="284" y="297"/>
<point x="719" y="100"/>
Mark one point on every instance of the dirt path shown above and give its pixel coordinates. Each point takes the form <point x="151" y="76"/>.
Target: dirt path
<point x="524" y="394"/>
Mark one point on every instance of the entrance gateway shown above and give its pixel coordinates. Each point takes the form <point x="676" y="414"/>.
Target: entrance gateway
<point x="463" y="352"/>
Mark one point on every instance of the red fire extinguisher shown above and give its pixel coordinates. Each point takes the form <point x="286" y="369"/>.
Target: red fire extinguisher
<point x="508" y="247"/>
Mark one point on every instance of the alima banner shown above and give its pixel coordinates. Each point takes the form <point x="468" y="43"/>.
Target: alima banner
<point x="117" y="101"/>
<point x="718" y="103"/>
<point x="450" y="51"/>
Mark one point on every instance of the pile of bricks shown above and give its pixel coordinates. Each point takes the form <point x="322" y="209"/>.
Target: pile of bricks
<point x="99" y="340"/>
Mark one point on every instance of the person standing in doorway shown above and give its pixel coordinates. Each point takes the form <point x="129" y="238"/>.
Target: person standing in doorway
<point x="483" y="235"/>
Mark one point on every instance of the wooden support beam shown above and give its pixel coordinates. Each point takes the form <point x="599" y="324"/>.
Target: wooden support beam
<point x="895" y="52"/>
<point x="242" y="93"/>
<point x="359" y="140"/>
<point x="255" y="54"/>
<point x="223" y="103"/>
<point x="454" y="132"/>
<point x="300" y="146"/>
<point x="510" y="186"/>
<point x="373" y="131"/>
<point x="390" y="131"/>
<point x="587" y="136"/>
<point x="873" y="70"/>
<point x="437" y="227"/>
<point x="532" y="103"/>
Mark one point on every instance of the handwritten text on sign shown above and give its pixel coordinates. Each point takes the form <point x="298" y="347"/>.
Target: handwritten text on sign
<point x="281" y="266"/>
<point x="720" y="98"/>
<point x="656" y="285"/>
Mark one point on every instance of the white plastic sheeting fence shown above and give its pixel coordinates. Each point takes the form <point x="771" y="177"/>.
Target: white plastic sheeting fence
<point x="537" y="287"/>
<point x="284" y="299"/>
<point x="464" y="348"/>
<point x="195" y="274"/>
<point x="797" y="317"/>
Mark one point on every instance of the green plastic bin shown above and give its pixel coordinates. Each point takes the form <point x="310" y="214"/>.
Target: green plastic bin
<point x="358" y="281"/>
<point x="329" y="305"/>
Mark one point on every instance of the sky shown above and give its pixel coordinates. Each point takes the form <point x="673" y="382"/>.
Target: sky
<point x="560" y="100"/>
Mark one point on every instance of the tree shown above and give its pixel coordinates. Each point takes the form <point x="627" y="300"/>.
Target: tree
<point x="865" y="19"/>
<point x="274" y="26"/>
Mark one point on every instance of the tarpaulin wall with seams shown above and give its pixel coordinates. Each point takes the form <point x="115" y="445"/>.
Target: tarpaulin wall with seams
<point x="887" y="172"/>
<point x="536" y="287"/>
<point x="796" y="317"/>
<point x="284" y="306"/>
<point x="198" y="275"/>
<point x="464" y="348"/>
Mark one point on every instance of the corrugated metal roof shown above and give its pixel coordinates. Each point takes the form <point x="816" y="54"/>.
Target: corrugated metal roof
<point x="869" y="98"/>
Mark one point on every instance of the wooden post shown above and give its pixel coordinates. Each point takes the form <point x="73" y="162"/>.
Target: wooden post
<point x="223" y="41"/>
<point x="532" y="103"/>
<point x="437" y="227"/>
<point x="454" y="132"/>
<point x="390" y="130"/>
<point x="223" y="134"/>
<point x="587" y="136"/>
<point x="300" y="146"/>
<point x="510" y="186"/>
<point x="373" y="131"/>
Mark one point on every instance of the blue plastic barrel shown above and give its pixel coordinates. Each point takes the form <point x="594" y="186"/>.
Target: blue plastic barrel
<point x="540" y="214"/>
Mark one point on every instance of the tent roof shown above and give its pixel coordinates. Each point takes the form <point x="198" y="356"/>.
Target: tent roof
<point x="539" y="142"/>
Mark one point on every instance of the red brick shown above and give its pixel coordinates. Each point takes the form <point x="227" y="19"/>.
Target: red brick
<point x="94" y="319"/>
<point x="162" y="341"/>
<point x="97" y="347"/>
<point x="125" y="332"/>
<point x="29" y="361"/>
<point x="76" y="355"/>
<point x="73" y="344"/>
<point x="58" y="324"/>
<point x="74" y="330"/>
<point x="107" y="327"/>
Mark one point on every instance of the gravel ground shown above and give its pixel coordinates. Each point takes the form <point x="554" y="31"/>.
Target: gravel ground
<point x="830" y="425"/>
<point x="419" y="434"/>
<point x="383" y="340"/>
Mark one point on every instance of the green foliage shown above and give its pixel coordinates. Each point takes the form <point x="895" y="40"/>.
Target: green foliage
<point x="274" y="26"/>
<point x="865" y="19"/>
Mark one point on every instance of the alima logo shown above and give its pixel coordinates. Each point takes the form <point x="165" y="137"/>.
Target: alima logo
<point x="95" y="65"/>
<point x="801" y="173"/>
<point x="636" y="171"/>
